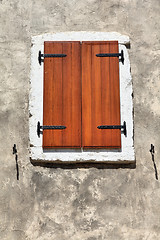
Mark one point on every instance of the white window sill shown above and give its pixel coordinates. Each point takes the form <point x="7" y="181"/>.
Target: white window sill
<point x="126" y="155"/>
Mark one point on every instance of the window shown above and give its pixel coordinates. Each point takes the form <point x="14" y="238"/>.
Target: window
<point x="81" y="93"/>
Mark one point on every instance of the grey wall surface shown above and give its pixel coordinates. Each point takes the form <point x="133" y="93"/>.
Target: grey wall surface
<point x="107" y="202"/>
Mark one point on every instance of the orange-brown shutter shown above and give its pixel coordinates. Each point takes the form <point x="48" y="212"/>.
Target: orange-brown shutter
<point x="62" y="95"/>
<point x="100" y="95"/>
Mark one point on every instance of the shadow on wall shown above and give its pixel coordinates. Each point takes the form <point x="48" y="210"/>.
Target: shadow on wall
<point x="83" y="165"/>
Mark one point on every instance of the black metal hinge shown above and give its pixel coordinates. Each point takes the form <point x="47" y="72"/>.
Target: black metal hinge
<point x="123" y="127"/>
<point x="112" y="55"/>
<point x="39" y="127"/>
<point x="42" y="56"/>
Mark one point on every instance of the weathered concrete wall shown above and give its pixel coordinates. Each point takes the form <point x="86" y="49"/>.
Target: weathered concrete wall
<point x="109" y="202"/>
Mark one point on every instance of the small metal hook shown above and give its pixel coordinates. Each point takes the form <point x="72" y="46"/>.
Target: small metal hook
<point x="152" y="149"/>
<point x="14" y="149"/>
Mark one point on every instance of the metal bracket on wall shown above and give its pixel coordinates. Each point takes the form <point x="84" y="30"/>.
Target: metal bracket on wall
<point x="14" y="149"/>
<point x="42" y="56"/>
<point x="112" y="55"/>
<point x="152" y="149"/>
<point x="39" y="127"/>
<point x="16" y="158"/>
<point x="123" y="127"/>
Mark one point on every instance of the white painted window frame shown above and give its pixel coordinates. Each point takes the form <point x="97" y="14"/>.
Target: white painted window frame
<point x="126" y="155"/>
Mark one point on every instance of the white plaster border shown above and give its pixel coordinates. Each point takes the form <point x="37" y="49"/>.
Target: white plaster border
<point x="126" y="155"/>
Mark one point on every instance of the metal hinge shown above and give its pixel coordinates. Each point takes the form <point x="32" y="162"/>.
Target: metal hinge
<point x="39" y="127"/>
<point x="42" y="56"/>
<point x="112" y="55"/>
<point x="123" y="127"/>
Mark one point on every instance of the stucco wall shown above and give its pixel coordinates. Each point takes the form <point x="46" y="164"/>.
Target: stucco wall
<point x="79" y="202"/>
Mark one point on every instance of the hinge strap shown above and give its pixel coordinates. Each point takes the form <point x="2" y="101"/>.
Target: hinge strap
<point x="123" y="127"/>
<point x="112" y="55"/>
<point x="42" y="56"/>
<point x="39" y="127"/>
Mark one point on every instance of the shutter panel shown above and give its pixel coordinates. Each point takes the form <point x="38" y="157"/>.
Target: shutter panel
<point x="100" y="95"/>
<point x="62" y="95"/>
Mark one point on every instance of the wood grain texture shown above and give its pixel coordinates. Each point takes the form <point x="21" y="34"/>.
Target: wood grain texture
<point x="100" y="95"/>
<point x="115" y="94"/>
<point x="81" y="92"/>
<point x="62" y="95"/>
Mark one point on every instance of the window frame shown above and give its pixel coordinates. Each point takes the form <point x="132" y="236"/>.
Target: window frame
<point x="126" y="154"/>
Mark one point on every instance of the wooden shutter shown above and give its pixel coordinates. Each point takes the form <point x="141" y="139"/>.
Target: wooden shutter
<point x="100" y="95"/>
<point x="62" y="95"/>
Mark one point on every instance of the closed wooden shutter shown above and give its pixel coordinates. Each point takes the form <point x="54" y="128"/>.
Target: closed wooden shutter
<point x="62" y="95"/>
<point x="100" y="95"/>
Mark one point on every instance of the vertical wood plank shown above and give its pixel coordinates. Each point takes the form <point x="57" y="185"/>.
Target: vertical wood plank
<point x="96" y="108"/>
<point x="106" y="96"/>
<point x="67" y="91"/>
<point x="86" y="95"/>
<point x="115" y="94"/>
<point x="57" y="93"/>
<point x="47" y="94"/>
<point x="76" y="95"/>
